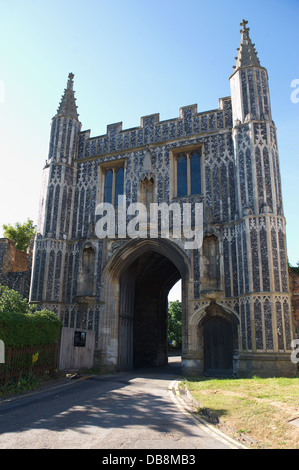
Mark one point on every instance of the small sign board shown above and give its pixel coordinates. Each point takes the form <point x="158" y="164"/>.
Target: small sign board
<point x="80" y="339"/>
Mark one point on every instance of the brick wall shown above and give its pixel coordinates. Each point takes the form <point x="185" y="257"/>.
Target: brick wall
<point x="15" y="267"/>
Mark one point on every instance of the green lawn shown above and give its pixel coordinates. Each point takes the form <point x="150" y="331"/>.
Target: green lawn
<point x="261" y="408"/>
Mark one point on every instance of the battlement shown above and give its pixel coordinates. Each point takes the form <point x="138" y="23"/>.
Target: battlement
<point x="153" y="131"/>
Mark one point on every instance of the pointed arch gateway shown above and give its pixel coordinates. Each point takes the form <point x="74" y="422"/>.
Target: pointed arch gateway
<point x="137" y="280"/>
<point x="215" y="335"/>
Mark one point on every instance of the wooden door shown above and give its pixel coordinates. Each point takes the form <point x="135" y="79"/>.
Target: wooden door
<point x="218" y="347"/>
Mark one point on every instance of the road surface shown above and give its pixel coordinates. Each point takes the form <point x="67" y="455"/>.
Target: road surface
<point x="136" y="410"/>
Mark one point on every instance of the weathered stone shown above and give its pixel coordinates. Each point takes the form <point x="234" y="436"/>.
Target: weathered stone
<point x="118" y="287"/>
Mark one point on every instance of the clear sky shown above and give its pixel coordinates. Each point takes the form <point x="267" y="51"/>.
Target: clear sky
<point x="132" y="58"/>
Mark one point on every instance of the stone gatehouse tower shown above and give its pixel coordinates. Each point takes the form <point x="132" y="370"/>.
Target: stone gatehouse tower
<point x="235" y="288"/>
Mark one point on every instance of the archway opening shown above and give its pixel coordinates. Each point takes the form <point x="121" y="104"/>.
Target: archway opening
<point x="175" y="320"/>
<point x="175" y="292"/>
<point x="143" y="310"/>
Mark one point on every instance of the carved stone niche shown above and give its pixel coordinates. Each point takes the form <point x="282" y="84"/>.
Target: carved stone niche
<point x="147" y="191"/>
<point x="210" y="265"/>
<point x="86" y="273"/>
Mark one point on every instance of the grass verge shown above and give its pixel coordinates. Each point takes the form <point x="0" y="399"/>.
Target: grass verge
<point x="259" y="408"/>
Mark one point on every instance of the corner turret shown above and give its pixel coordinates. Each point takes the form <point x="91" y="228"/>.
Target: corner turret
<point x="249" y="83"/>
<point x="59" y="172"/>
<point x="65" y="127"/>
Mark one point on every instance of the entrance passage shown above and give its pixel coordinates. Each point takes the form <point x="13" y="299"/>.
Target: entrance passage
<point x="218" y="347"/>
<point x="142" y="330"/>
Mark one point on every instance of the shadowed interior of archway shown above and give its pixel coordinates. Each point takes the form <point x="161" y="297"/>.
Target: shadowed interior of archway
<point x="144" y="287"/>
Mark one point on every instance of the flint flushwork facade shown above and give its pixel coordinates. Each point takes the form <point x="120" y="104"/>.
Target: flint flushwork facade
<point x="235" y="289"/>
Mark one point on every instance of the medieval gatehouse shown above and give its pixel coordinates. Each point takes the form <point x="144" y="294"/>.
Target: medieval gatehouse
<point x="235" y="288"/>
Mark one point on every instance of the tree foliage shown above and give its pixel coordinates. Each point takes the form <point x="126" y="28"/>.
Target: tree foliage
<point x="12" y="302"/>
<point x="20" y="233"/>
<point x="175" y="323"/>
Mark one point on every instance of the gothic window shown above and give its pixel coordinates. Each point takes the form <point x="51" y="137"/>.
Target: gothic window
<point x="119" y="185"/>
<point x="195" y="172"/>
<point x="188" y="173"/>
<point x="113" y="185"/>
<point x="108" y="186"/>
<point x="182" y="178"/>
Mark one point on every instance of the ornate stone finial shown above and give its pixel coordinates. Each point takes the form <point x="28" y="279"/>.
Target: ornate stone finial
<point x="243" y="24"/>
<point x="247" y="54"/>
<point x="67" y="106"/>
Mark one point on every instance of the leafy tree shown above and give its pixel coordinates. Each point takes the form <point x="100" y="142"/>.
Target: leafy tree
<point x="175" y="323"/>
<point x="12" y="302"/>
<point x="20" y="233"/>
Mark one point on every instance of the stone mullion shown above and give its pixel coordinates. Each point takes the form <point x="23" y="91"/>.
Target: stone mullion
<point x="62" y="271"/>
<point x="237" y="163"/>
<point x="73" y="189"/>
<point x="245" y="183"/>
<point x="46" y="269"/>
<point x="188" y="174"/>
<point x="72" y="142"/>
<point x="254" y="174"/>
<point x="72" y="269"/>
<point x="273" y="171"/>
<point x="258" y="230"/>
<point x="54" y="271"/>
<point x="60" y="205"/>
<point x="263" y="324"/>
<point x="113" y="187"/>
<point x="249" y="257"/>
<point x="231" y="231"/>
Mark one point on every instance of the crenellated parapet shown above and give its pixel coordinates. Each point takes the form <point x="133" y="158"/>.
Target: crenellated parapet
<point x="153" y="131"/>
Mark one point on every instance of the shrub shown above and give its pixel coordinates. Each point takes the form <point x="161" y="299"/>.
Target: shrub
<point x="29" y="329"/>
<point x="21" y="325"/>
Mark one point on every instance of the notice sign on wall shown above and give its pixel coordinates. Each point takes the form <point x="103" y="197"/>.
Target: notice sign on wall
<point x="80" y="338"/>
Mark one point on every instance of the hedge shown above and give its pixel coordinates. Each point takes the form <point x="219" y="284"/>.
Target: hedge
<point x="29" y="329"/>
<point x="21" y="325"/>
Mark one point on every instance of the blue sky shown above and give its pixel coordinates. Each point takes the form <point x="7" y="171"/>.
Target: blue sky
<point x="130" y="59"/>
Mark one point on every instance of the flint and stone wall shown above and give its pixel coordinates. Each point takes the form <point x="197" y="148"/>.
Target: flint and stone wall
<point x="242" y="201"/>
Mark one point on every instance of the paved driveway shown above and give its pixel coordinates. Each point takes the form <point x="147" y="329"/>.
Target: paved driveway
<point x="136" y="410"/>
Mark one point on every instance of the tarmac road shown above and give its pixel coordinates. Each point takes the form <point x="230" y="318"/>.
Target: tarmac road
<point x="136" y="410"/>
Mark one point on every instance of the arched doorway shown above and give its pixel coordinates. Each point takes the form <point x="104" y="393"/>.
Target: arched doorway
<point x="138" y="280"/>
<point x="220" y="340"/>
<point x="218" y="347"/>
